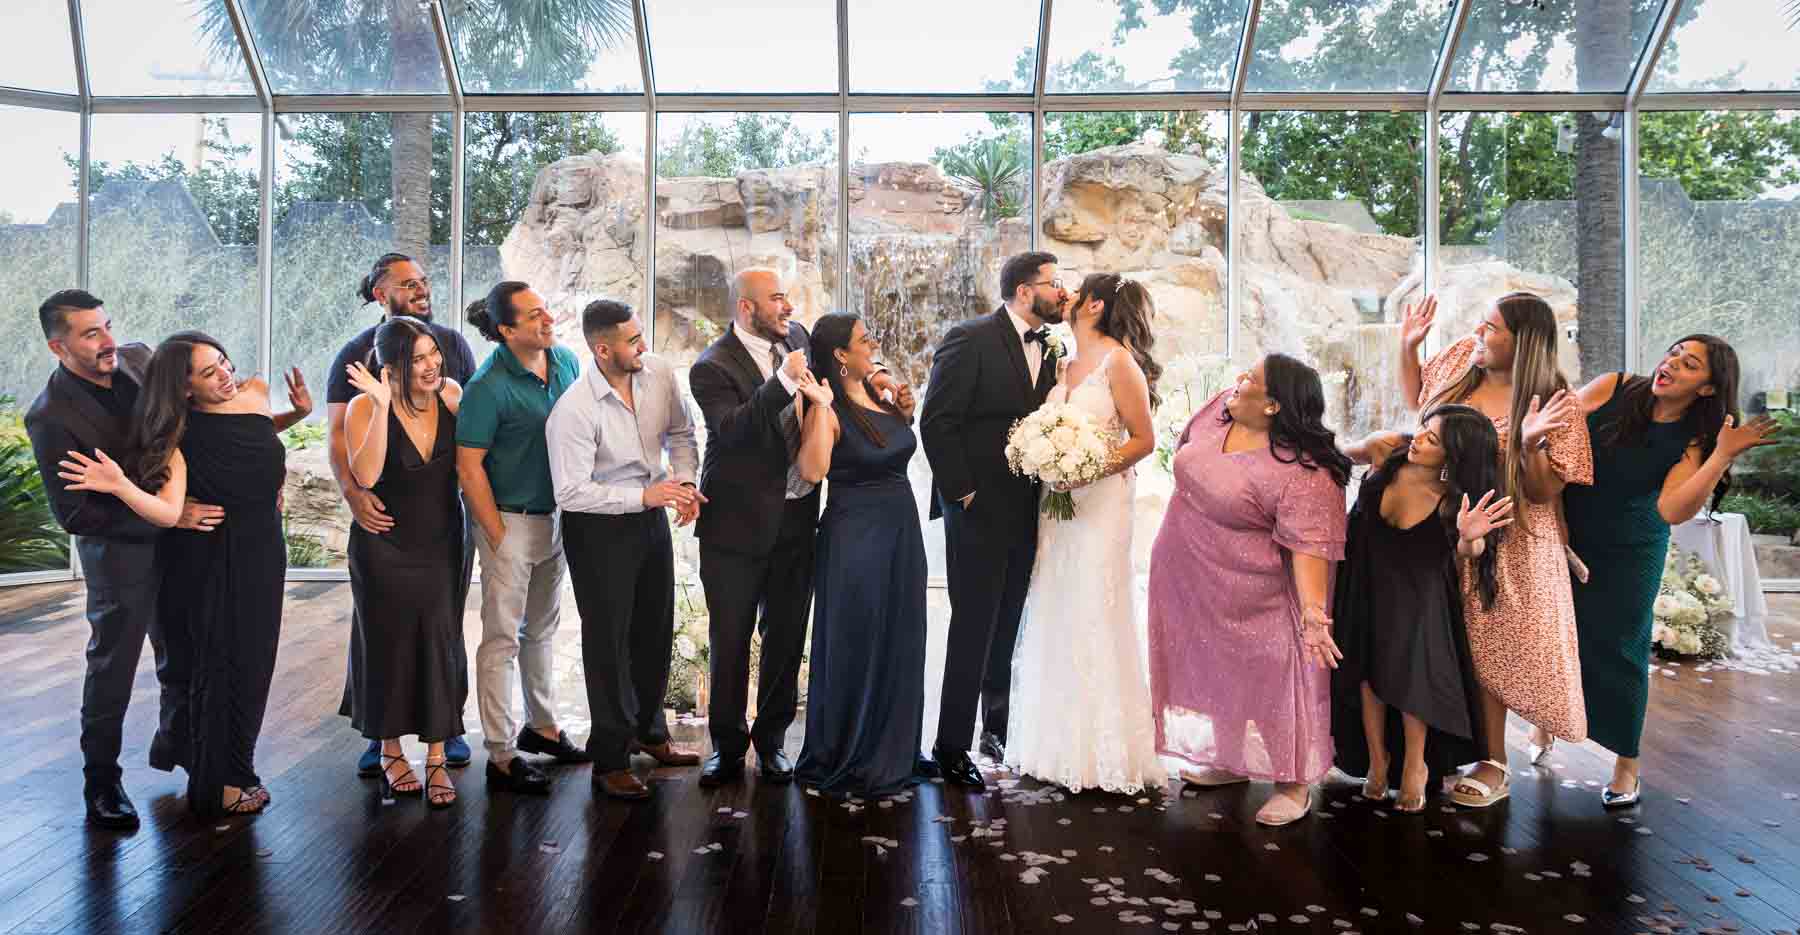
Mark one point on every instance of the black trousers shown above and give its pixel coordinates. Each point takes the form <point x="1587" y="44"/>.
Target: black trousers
<point x="737" y="585"/>
<point x="989" y="571"/>
<point x="123" y="580"/>
<point x="623" y="572"/>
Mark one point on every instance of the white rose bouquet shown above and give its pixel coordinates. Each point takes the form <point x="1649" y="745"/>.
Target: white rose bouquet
<point x="1062" y="446"/>
<point x="1690" y="601"/>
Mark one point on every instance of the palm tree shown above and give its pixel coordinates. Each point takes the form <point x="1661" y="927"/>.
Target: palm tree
<point x="995" y="167"/>
<point x="387" y="46"/>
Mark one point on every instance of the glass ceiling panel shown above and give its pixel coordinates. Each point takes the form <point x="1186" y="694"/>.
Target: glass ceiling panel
<point x="772" y="47"/>
<point x="164" y="48"/>
<point x="545" y="47"/>
<point x="1732" y="45"/>
<point x="347" y="46"/>
<point x="901" y="48"/>
<point x="1370" y="45"/>
<point x="35" y="50"/>
<point x="1585" y="46"/>
<point x="1105" y="46"/>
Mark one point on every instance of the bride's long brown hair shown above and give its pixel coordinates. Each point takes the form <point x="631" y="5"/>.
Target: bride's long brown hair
<point x="1125" y="313"/>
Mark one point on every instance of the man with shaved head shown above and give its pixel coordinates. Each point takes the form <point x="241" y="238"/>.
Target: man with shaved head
<point x="756" y="533"/>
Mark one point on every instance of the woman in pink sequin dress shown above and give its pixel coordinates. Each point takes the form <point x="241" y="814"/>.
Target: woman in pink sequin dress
<point x="1240" y="579"/>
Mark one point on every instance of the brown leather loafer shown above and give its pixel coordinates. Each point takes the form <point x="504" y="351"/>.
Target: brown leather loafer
<point x="622" y="784"/>
<point x="667" y="754"/>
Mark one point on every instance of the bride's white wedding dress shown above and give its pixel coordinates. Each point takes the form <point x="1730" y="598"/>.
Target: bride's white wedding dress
<point x="1080" y="704"/>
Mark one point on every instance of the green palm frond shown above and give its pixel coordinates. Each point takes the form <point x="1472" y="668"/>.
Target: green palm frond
<point x="30" y="539"/>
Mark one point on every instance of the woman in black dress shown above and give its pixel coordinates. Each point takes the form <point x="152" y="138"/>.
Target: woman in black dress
<point x="866" y="698"/>
<point x="225" y="583"/>
<point x="1404" y="698"/>
<point x="406" y="636"/>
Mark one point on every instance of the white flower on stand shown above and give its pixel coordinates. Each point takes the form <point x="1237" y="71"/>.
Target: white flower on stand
<point x="1708" y="585"/>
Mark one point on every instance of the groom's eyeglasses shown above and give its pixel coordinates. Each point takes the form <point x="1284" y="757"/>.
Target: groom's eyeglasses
<point x="1052" y="283"/>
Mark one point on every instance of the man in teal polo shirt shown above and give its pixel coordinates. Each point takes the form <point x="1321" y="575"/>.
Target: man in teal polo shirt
<point x="504" y="466"/>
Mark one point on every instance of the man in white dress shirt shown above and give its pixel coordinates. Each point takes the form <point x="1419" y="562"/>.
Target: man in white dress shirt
<point x="608" y="436"/>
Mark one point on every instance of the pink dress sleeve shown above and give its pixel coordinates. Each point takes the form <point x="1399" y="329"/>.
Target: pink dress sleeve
<point x="1571" y="454"/>
<point x="1310" y="516"/>
<point x="1445" y="366"/>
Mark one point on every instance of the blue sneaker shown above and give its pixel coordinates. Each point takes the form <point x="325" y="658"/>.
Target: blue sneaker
<point x="369" y="764"/>
<point x="456" y="753"/>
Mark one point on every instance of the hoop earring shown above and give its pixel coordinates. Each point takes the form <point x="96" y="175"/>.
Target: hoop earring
<point x="843" y="371"/>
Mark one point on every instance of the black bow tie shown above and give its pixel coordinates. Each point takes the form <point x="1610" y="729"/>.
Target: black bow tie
<point x="1037" y="334"/>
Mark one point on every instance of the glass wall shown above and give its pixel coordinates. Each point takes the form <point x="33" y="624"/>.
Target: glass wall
<point x="1329" y="250"/>
<point x="1719" y="253"/>
<point x="38" y="235"/>
<point x="348" y="188"/>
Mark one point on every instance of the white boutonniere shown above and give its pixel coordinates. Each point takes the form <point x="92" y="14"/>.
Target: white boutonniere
<point x="1053" y="346"/>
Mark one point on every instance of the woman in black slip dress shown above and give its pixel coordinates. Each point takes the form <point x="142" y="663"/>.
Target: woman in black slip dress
<point x="1404" y="698"/>
<point x="865" y="701"/>
<point x="407" y="630"/>
<point x="221" y="602"/>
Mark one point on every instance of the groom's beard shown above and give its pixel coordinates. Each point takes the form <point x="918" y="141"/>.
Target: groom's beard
<point x="1048" y="312"/>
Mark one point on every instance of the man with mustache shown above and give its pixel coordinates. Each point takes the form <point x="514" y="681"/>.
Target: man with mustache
<point x="402" y="288"/>
<point x="986" y="374"/>
<point x="87" y="406"/>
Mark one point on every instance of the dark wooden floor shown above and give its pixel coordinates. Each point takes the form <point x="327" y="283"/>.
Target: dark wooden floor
<point x="1715" y="846"/>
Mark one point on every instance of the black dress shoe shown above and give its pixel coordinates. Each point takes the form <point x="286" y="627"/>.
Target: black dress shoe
<point x="519" y="776"/>
<point x="531" y="741"/>
<point x="719" y="771"/>
<point x="958" y="768"/>
<point x="993" y="747"/>
<point x="109" y="807"/>
<point x="775" y="768"/>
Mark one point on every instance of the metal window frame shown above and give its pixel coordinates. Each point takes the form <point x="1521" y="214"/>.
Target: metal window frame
<point x="1235" y="102"/>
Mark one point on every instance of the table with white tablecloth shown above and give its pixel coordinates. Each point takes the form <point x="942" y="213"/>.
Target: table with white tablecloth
<point x="1722" y="540"/>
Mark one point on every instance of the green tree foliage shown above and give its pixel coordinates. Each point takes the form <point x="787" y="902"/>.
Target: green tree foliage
<point x="725" y="146"/>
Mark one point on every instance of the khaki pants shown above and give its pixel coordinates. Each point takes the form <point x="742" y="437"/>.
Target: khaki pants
<point x="521" y="604"/>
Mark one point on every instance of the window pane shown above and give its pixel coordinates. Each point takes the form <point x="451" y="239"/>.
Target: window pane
<point x="1101" y="45"/>
<point x="349" y="187"/>
<point x="1720" y="242"/>
<point x="902" y="48"/>
<point x="512" y="46"/>
<point x="346" y="47"/>
<point x="1731" y="45"/>
<point x="37" y="257"/>
<point x="735" y="191"/>
<point x="35" y="50"/>
<point x="1374" y="45"/>
<point x="702" y="47"/>
<point x="1579" y="45"/>
<point x="1531" y="202"/>
<point x="1330" y="245"/>
<point x="162" y="47"/>
<point x="555" y="200"/>
<point x="172" y="227"/>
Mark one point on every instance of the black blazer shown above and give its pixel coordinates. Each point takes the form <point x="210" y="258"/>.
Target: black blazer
<point x="980" y="385"/>
<point x="64" y="418"/>
<point x="743" y="472"/>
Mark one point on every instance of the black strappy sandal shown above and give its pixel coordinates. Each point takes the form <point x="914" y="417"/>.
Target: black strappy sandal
<point x="246" y="803"/>
<point x="388" y="789"/>
<point x="438" y="796"/>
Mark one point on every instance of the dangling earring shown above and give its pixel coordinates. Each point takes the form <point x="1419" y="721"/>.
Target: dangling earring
<point x="843" y="371"/>
<point x="1444" y="474"/>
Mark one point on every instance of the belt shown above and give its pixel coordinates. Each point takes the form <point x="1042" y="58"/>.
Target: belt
<point x="526" y="511"/>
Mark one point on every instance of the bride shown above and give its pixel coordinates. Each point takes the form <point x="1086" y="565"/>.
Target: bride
<point x="1080" y="698"/>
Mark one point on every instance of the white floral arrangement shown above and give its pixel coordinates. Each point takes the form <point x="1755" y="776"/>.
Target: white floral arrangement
<point x="1689" y="602"/>
<point x="1060" y="445"/>
<point x="1187" y="383"/>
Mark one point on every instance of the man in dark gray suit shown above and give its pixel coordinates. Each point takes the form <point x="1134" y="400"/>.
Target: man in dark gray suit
<point x="87" y="405"/>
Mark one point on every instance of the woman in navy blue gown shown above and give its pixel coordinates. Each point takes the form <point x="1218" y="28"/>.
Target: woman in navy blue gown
<point x="866" y="696"/>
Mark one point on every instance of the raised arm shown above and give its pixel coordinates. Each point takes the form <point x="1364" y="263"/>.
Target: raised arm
<point x="1690" y="483"/>
<point x="755" y="421"/>
<point x="818" y="432"/>
<point x="1542" y="482"/>
<point x="1415" y="324"/>
<point x="1374" y="448"/>
<point x="299" y="399"/>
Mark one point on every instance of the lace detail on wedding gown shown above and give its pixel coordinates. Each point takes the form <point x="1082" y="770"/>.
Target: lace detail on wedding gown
<point x="1080" y="705"/>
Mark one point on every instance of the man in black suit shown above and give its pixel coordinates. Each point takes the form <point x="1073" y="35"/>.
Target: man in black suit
<point x="756" y="533"/>
<point x="986" y="374"/>
<point x="87" y="405"/>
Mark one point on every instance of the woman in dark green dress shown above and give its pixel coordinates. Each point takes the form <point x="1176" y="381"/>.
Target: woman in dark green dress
<point x="1663" y="447"/>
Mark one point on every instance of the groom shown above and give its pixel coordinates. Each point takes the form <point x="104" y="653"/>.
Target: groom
<point x="986" y="374"/>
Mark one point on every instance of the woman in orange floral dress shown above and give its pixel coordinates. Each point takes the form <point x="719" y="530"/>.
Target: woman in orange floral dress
<point x="1524" y="648"/>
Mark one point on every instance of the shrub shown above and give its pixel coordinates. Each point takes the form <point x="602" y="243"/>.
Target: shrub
<point x="30" y="539"/>
<point x="1766" y="513"/>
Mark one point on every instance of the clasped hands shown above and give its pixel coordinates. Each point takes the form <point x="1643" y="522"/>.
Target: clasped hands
<point x="684" y="498"/>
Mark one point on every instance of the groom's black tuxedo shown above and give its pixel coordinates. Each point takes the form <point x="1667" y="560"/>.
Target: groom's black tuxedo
<point x="756" y="546"/>
<point x="980" y="385"/>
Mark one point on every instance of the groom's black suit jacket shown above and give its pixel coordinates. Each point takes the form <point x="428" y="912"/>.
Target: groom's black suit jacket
<point x="743" y="473"/>
<point x="980" y="385"/>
